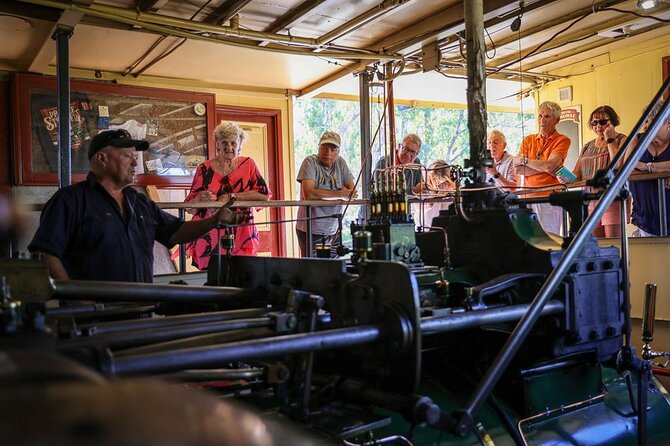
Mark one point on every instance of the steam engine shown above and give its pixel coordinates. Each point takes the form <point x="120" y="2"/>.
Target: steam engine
<point x="433" y="339"/>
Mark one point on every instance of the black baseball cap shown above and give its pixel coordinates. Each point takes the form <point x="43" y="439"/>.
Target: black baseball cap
<point x="115" y="138"/>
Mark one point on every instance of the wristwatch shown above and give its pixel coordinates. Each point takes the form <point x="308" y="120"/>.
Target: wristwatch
<point x="610" y="140"/>
<point x="649" y="167"/>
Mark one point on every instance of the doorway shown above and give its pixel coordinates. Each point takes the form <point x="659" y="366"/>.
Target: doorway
<point x="264" y="146"/>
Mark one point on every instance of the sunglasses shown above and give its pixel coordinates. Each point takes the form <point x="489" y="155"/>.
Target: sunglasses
<point x="602" y="122"/>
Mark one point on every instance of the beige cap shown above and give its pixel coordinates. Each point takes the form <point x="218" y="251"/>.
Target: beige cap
<point x="330" y="138"/>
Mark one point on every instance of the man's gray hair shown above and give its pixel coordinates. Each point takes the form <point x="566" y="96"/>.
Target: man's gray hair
<point x="496" y="132"/>
<point x="554" y="107"/>
<point x="414" y="138"/>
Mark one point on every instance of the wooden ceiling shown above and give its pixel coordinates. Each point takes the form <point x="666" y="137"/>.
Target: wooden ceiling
<point x="301" y="45"/>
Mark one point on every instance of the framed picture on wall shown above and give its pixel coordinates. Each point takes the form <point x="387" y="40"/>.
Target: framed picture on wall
<point x="177" y="125"/>
<point x="570" y="125"/>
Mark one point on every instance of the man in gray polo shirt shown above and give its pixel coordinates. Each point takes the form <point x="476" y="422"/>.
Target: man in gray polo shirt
<point x="322" y="177"/>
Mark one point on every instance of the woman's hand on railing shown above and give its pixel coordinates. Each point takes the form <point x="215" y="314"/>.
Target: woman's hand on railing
<point x="204" y="195"/>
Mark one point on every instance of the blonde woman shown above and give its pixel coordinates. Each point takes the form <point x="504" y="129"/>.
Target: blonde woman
<point x="226" y="175"/>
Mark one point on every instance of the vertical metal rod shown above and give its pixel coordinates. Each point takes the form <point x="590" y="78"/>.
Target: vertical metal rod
<point x="390" y="108"/>
<point x="366" y="138"/>
<point x="642" y="399"/>
<point x="625" y="273"/>
<point x="62" y="37"/>
<point x="310" y="242"/>
<point x="314" y="304"/>
<point x="182" y="247"/>
<point x="662" y="212"/>
<point x="476" y="93"/>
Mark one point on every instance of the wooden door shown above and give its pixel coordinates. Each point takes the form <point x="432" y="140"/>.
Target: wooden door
<point x="264" y="146"/>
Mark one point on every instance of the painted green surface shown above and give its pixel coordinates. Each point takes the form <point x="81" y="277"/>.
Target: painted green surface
<point x="607" y="421"/>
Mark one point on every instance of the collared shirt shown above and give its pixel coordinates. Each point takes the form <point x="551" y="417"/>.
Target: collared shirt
<point x="83" y="226"/>
<point x="504" y="168"/>
<point x="534" y="147"/>
<point x="412" y="174"/>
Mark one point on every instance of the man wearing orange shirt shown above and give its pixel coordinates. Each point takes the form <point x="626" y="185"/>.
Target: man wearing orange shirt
<point x="540" y="156"/>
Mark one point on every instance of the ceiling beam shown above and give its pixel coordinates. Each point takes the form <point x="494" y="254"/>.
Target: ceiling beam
<point x="225" y="11"/>
<point x="365" y="18"/>
<point x="47" y="51"/>
<point x="293" y="16"/>
<point x="555" y="22"/>
<point x="601" y="44"/>
<point x="591" y="30"/>
<point x="496" y="20"/>
<point x="442" y="22"/>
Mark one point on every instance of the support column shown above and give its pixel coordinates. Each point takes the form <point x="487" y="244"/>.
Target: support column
<point x="476" y="94"/>
<point x="364" y="79"/>
<point x="62" y="37"/>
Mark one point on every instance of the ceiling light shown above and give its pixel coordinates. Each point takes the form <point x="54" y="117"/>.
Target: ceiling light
<point x="647" y="4"/>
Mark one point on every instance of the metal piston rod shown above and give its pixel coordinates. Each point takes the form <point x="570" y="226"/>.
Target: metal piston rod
<point x="309" y="342"/>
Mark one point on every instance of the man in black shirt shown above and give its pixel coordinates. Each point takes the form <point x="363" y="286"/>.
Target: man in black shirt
<point x="101" y="229"/>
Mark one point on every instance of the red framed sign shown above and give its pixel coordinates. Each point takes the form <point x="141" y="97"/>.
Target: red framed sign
<point x="177" y="124"/>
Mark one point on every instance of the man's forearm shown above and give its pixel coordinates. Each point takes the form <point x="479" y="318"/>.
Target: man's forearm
<point x="56" y="268"/>
<point x="193" y="229"/>
<point x="318" y="194"/>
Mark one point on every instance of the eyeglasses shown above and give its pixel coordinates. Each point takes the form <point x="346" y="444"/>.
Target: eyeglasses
<point x="412" y="152"/>
<point x="602" y="122"/>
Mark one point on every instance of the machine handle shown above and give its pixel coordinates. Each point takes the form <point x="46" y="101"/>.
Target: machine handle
<point x="649" y="312"/>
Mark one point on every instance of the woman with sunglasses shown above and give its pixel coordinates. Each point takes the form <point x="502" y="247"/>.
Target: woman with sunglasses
<point x="596" y="155"/>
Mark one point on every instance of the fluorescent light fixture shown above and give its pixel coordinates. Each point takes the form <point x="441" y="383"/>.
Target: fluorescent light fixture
<point x="647" y="4"/>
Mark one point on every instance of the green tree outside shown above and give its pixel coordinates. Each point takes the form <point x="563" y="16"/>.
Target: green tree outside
<point x="444" y="131"/>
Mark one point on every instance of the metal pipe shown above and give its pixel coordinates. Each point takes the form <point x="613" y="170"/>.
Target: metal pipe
<point x="306" y="342"/>
<point x="170" y="31"/>
<point x="474" y="319"/>
<point x="140" y="337"/>
<point x="161" y="322"/>
<point x="98" y="310"/>
<point x="308" y="226"/>
<point x="213" y="356"/>
<point x="62" y="37"/>
<point x="476" y="91"/>
<point x="625" y="274"/>
<point x="182" y="246"/>
<point x="145" y="292"/>
<point x="364" y="79"/>
<point x="360" y="20"/>
<point x="215" y="375"/>
<point x="662" y="212"/>
<point x="198" y="341"/>
<point x="524" y="326"/>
